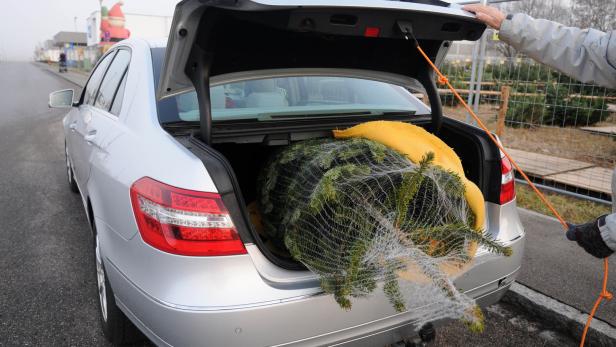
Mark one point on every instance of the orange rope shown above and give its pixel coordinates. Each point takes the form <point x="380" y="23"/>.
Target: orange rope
<point x="605" y="294"/>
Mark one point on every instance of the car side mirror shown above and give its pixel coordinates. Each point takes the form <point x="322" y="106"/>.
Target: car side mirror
<point x="61" y="98"/>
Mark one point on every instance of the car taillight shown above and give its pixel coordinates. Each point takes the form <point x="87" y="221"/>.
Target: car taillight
<point x="229" y="103"/>
<point x="184" y="222"/>
<point x="507" y="192"/>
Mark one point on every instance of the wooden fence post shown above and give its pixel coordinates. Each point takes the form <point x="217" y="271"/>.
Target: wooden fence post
<point x="502" y="113"/>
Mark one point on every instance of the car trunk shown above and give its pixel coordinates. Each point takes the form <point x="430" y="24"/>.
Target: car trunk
<point x="218" y="42"/>
<point x="244" y="157"/>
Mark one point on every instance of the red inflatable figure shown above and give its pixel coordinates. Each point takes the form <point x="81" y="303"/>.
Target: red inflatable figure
<point x="112" y="24"/>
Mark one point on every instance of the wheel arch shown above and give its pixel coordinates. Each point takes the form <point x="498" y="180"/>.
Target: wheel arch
<point x="90" y="215"/>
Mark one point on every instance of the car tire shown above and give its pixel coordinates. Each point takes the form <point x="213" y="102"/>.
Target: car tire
<point x="117" y="328"/>
<point x="69" y="171"/>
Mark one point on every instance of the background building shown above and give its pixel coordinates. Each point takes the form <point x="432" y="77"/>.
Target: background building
<point x="72" y="43"/>
<point x="104" y="27"/>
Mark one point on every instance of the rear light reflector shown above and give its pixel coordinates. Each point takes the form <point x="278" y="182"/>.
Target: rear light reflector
<point x="507" y="192"/>
<point x="184" y="222"/>
<point x="372" y="32"/>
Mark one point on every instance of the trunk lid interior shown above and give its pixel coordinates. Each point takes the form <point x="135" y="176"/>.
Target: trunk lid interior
<point x="213" y="38"/>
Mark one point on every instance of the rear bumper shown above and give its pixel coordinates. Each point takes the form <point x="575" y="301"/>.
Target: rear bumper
<point x="222" y="329"/>
<point x="310" y="320"/>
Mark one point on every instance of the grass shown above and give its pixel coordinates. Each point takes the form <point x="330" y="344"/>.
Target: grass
<point x="562" y="142"/>
<point x="573" y="210"/>
<point x="570" y="143"/>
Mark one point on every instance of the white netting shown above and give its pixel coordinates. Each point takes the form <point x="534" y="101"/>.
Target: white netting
<point x="361" y="215"/>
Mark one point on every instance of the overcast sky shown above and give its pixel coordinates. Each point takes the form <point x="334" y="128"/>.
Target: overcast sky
<point x="24" y="23"/>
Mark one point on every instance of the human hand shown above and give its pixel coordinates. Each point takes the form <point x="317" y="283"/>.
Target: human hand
<point x="588" y="236"/>
<point x="488" y="14"/>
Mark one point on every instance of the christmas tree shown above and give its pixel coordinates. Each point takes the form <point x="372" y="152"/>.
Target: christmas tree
<point x="359" y="214"/>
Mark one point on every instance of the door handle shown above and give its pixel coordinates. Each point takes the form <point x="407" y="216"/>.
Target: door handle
<point x="73" y="126"/>
<point x="90" y="137"/>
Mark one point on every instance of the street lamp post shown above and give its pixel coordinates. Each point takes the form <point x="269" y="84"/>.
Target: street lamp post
<point x="478" y="61"/>
<point x="482" y="60"/>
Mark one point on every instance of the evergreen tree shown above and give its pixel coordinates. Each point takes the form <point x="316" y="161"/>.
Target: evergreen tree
<point x="338" y="206"/>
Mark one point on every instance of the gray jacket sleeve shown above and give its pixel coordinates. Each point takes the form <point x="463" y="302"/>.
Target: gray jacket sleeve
<point x="587" y="55"/>
<point x="608" y="231"/>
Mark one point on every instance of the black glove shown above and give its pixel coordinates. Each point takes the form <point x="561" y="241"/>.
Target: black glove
<point x="588" y="236"/>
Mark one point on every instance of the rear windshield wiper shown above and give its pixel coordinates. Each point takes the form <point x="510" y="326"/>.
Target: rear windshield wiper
<point x="180" y="124"/>
<point x="314" y="115"/>
<point x="366" y="114"/>
<point x="399" y="113"/>
<point x="180" y="127"/>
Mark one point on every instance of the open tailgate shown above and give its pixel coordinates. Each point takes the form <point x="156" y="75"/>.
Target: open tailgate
<point x="217" y="37"/>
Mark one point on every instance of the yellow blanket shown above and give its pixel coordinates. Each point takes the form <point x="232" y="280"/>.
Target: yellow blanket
<point x="415" y="142"/>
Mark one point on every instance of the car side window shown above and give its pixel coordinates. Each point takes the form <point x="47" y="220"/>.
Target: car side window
<point x="95" y="79"/>
<point x="112" y="80"/>
<point x="119" y="96"/>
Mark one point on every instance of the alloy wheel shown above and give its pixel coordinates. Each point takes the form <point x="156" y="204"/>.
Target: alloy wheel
<point x="69" y="172"/>
<point x="100" y="278"/>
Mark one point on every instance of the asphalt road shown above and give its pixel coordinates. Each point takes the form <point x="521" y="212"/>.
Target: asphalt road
<point x="505" y="327"/>
<point x="561" y="269"/>
<point x="47" y="278"/>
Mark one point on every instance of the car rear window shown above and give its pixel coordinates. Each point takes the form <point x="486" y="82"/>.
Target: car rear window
<point x="298" y="96"/>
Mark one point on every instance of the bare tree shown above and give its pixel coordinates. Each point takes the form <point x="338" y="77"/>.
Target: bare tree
<point x="597" y="14"/>
<point x="556" y="10"/>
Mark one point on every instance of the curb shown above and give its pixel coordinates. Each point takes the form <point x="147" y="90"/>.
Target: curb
<point x="66" y="78"/>
<point x="560" y="316"/>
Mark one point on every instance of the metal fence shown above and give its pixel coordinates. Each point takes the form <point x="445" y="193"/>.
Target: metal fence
<point x="560" y="131"/>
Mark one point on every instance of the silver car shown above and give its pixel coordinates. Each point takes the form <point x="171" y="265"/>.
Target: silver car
<point x="166" y="141"/>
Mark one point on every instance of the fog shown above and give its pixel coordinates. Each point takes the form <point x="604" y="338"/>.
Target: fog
<point x="25" y="23"/>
